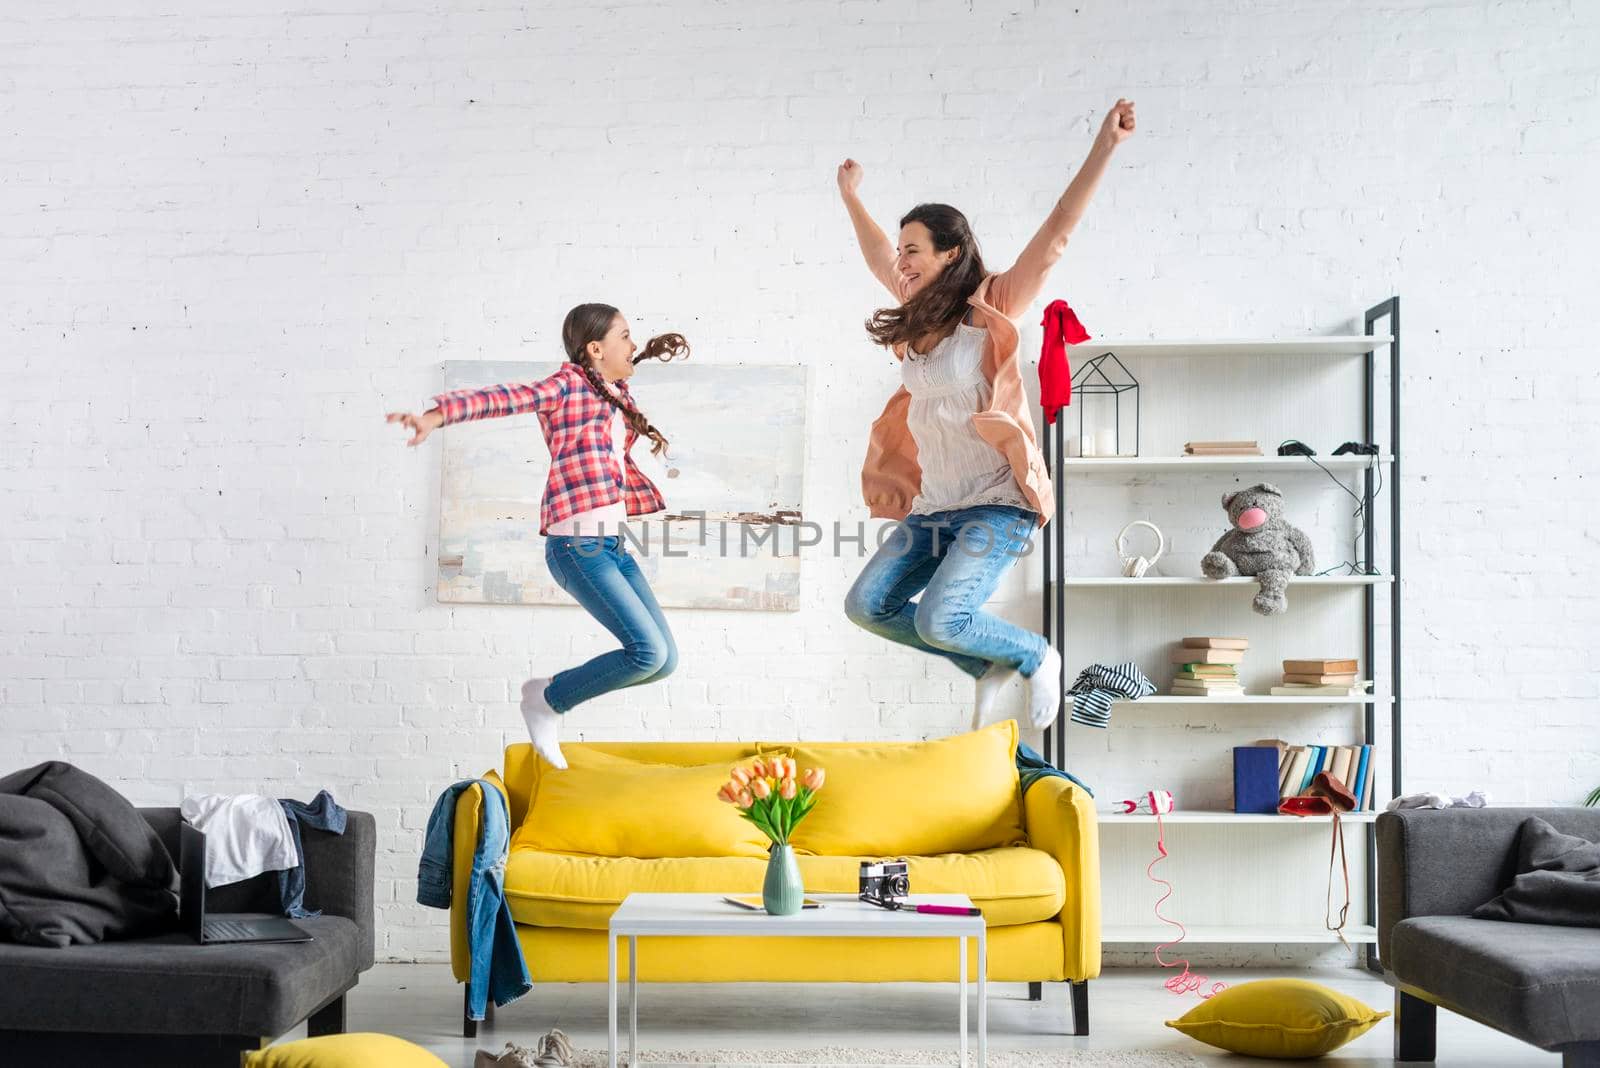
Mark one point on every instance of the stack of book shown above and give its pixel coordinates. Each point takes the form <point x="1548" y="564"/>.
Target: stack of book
<point x="1319" y="678"/>
<point x="1208" y="667"/>
<point x="1350" y="764"/>
<point x="1222" y="448"/>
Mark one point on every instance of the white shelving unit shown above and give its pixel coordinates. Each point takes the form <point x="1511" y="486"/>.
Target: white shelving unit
<point x="1232" y="357"/>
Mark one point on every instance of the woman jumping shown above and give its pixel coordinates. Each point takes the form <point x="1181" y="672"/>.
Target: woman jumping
<point x="953" y="456"/>
<point x="589" y="422"/>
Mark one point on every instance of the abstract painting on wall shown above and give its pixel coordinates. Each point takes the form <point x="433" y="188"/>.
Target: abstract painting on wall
<point x="732" y="479"/>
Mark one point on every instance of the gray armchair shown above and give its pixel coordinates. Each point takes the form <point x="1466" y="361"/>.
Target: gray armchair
<point x="167" y="1001"/>
<point x="1538" y="983"/>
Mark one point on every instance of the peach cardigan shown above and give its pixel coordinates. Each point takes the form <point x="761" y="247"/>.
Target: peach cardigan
<point x="891" y="477"/>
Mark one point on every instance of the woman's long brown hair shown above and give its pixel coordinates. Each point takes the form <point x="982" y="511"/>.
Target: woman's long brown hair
<point x="591" y="322"/>
<point x="942" y="303"/>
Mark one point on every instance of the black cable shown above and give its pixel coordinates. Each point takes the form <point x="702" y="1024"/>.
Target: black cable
<point x="1355" y="565"/>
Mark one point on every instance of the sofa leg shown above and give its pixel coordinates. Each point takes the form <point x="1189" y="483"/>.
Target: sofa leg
<point x="1035" y="991"/>
<point x="1415" y="1022"/>
<point x="469" y="1026"/>
<point x="1581" y="1055"/>
<point x="1080" y="1007"/>
<point x="328" y="1020"/>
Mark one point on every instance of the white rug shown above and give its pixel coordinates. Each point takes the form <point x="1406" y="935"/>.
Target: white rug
<point x="847" y="1057"/>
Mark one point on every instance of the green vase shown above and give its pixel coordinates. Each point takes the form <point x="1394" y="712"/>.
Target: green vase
<point x="782" y="893"/>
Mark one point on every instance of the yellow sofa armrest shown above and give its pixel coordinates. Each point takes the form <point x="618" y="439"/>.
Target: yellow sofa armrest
<point x="464" y="843"/>
<point x="1061" y="821"/>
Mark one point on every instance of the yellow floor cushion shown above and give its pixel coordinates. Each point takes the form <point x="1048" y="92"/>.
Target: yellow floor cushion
<point x="1279" y="1018"/>
<point x="1012" y="885"/>
<point x="360" y="1050"/>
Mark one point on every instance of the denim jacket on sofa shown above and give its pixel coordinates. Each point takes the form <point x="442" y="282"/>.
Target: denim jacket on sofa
<point x="498" y="969"/>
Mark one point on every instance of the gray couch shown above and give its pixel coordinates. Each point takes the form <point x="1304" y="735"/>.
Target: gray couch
<point x="167" y="1001"/>
<point x="1538" y="983"/>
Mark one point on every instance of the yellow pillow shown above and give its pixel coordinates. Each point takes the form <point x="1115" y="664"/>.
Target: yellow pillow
<point x="345" y="1051"/>
<point x="610" y="806"/>
<point x="950" y="795"/>
<point x="1283" y="1018"/>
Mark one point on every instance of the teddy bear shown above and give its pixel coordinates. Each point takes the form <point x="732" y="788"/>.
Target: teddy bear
<point x="1262" y="544"/>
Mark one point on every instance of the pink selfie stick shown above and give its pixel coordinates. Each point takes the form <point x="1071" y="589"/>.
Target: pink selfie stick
<point x="948" y="910"/>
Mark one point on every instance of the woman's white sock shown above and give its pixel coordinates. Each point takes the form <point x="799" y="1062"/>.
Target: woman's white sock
<point x="1044" y="689"/>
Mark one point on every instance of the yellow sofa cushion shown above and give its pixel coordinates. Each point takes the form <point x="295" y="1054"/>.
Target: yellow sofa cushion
<point x="950" y="795"/>
<point x="609" y="806"/>
<point x="1282" y="1018"/>
<point x="344" y="1051"/>
<point x="1012" y="885"/>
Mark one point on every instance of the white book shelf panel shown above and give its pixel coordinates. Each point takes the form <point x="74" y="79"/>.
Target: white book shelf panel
<point x="1171" y="582"/>
<point x="1328" y="345"/>
<point x="1194" y="816"/>
<point x="1155" y="934"/>
<point x="1275" y="465"/>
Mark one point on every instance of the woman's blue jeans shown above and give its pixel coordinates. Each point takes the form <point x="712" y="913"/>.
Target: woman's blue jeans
<point x="955" y="560"/>
<point x="608" y="583"/>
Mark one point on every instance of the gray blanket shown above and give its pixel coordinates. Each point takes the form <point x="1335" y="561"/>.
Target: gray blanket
<point x="1558" y="881"/>
<point x="78" y="863"/>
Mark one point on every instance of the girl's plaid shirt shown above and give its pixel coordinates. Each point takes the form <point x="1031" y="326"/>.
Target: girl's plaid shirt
<point x="577" y="428"/>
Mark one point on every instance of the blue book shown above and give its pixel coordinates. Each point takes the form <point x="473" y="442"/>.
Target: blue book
<point x="1314" y="765"/>
<point x="1361" y="776"/>
<point x="1255" y="778"/>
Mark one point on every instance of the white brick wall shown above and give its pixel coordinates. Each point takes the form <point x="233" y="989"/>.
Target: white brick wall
<point x="233" y="235"/>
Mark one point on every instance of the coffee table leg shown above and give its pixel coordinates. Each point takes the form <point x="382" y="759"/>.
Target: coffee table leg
<point x="983" y="998"/>
<point x="633" y="1002"/>
<point x="611" y="998"/>
<point x="962" y="942"/>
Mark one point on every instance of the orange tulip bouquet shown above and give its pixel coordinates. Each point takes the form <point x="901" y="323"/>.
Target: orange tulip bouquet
<point x="775" y="795"/>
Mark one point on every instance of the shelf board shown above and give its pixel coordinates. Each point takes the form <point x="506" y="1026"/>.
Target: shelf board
<point x="1201" y="816"/>
<point x="1276" y="464"/>
<point x="1167" y="582"/>
<point x="1157" y="933"/>
<point x="1252" y="699"/>
<point x="1329" y="345"/>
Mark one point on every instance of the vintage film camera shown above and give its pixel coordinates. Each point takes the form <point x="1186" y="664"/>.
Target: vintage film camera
<point x="885" y="883"/>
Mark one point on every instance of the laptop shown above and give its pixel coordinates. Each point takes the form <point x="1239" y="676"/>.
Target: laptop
<point x="216" y="930"/>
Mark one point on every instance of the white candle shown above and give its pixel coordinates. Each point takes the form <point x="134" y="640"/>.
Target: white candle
<point x="1105" y="442"/>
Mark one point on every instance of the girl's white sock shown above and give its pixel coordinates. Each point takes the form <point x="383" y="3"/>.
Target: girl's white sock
<point x="544" y="722"/>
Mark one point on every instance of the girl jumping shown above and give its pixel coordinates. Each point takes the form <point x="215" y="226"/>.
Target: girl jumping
<point x="953" y="456"/>
<point x="590" y="422"/>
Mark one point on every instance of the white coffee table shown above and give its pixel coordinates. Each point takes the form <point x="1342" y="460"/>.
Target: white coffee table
<point x="841" y="916"/>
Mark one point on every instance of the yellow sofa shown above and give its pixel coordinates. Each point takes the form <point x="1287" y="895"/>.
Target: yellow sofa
<point x="1038" y="886"/>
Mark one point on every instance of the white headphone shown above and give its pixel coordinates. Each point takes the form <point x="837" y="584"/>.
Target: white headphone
<point x="1136" y="566"/>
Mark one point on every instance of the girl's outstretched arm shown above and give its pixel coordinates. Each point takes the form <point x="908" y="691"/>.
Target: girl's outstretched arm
<point x="490" y="402"/>
<point x="1017" y="288"/>
<point x="876" y="248"/>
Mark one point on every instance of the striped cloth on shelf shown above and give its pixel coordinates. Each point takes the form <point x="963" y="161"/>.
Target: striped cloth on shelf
<point x="1098" y="685"/>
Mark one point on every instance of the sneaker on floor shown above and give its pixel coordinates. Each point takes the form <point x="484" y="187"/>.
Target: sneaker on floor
<point x="510" y="1057"/>
<point x="544" y="722"/>
<point x="1044" y="690"/>
<point x="554" y="1050"/>
<point x="986" y="691"/>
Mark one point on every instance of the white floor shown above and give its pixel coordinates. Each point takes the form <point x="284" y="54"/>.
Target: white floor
<point x="422" y="1002"/>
